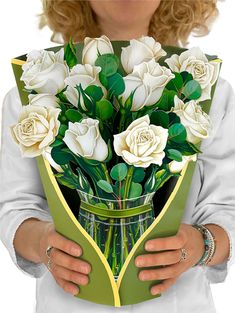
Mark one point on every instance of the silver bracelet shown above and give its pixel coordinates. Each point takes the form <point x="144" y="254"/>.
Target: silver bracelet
<point x="209" y="242"/>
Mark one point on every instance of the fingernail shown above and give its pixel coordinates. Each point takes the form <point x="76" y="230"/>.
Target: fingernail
<point x="75" y="291"/>
<point x="154" y="292"/>
<point x="77" y="251"/>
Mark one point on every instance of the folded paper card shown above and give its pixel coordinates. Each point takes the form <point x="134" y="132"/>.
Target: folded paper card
<point x="181" y="88"/>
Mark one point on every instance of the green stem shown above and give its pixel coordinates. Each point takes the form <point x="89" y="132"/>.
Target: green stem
<point x="122" y="120"/>
<point x="108" y="241"/>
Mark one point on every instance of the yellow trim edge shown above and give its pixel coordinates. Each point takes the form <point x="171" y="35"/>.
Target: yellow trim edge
<point x="17" y="62"/>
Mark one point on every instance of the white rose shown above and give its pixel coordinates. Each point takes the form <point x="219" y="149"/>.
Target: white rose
<point x="140" y="50"/>
<point x="84" y="139"/>
<point x="149" y="79"/>
<point x="45" y="71"/>
<point x="141" y="144"/>
<point x="195" y="62"/>
<point x="195" y="120"/>
<point x="36" y="129"/>
<point x="176" y="167"/>
<point x="92" y="46"/>
<point x="44" y="100"/>
<point x="85" y="75"/>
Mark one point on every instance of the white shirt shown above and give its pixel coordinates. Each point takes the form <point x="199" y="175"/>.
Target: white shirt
<point x="211" y="200"/>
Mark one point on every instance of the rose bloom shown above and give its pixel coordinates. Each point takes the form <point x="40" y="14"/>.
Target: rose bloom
<point x="36" y="129"/>
<point x="195" y="120"/>
<point x="176" y="167"/>
<point x="92" y="46"/>
<point x="149" y="79"/>
<point x="45" y="71"/>
<point x="84" y="139"/>
<point x="195" y="62"/>
<point x="44" y="100"/>
<point x="140" y="50"/>
<point x="85" y="75"/>
<point x="141" y="144"/>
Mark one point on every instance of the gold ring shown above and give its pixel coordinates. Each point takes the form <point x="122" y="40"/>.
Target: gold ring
<point x="184" y="254"/>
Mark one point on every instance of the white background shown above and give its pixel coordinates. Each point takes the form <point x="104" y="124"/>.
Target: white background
<point x="19" y="35"/>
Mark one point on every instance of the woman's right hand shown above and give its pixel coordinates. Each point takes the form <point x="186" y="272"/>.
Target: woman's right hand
<point x="67" y="269"/>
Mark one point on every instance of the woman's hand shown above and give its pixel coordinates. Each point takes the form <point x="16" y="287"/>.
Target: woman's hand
<point x="67" y="269"/>
<point x="188" y="238"/>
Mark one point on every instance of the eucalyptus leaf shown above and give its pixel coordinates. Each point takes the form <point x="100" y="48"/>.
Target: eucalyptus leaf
<point x="174" y="155"/>
<point x="138" y="175"/>
<point x="166" y="101"/>
<point x="116" y="84"/>
<point x="62" y="129"/>
<point x="119" y="171"/>
<point x="106" y="186"/>
<point x="104" y="109"/>
<point x="61" y="157"/>
<point x="94" y="92"/>
<point x="177" y="133"/>
<point x="160" y="118"/>
<point x="135" y="190"/>
<point x="192" y="90"/>
<point x="73" y="115"/>
<point x="109" y="63"/>
<point x="175" y="83"/>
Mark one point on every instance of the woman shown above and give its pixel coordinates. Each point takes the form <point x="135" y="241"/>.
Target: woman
<point x="26" y="227"/>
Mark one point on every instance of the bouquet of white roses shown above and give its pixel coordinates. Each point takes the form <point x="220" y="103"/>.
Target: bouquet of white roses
<point x="115" y="129"/>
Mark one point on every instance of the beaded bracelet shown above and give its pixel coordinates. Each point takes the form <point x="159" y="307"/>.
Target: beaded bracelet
<point x="209" y="242"/>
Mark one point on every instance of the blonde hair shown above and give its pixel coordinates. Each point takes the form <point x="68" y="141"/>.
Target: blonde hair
<point x="171" y="24"/>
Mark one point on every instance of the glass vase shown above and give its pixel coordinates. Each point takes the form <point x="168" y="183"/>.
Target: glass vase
<point x="115" y="225"/>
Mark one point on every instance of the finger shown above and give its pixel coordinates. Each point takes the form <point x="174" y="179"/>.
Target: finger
<point x="166" y="243"/>
<point x="60" y="242"/>
<point x="72" y="276"/>
<point x="163" y="286"/>
<point x="161" y="258"/>
<point x="162" y="273"/>
<point x="60" y="258"/>
<point x="67" y="286"/>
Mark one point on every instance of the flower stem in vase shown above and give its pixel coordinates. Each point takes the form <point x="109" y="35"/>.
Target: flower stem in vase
<point x="109" y="237"/>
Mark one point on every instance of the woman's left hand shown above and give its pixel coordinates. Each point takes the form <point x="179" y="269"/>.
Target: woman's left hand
<point x="168" y="253"/>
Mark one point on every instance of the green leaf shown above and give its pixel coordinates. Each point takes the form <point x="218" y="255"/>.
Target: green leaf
<point x="106" y="186"/>
<point x="174" y="155"/>
<point x="186" y="76"/>
<point x="57" y="143"/>
<point x="166" y="101"/>
<point x="70" y="54"/>
<point x="174" y="118"/>
<point x="104" y="80"/>
<point x="135" y="190"/>
<point x="109" y="63"/>
<point x="61" y="157"/>
<point x="186" y="148"/>
<point x="94" y="92"/>
<point x="192" y="90"/>
<point x="87" y="101"/>
<point x="160" y="118"/>
<point x="138" y="175"/>
<point x="84" y="184"/>
<point x="177" y="133"/>
<point x="119" y="171"/>
<point x="176" y="83"/>
<point x="128" y="103"/>
<point x="62" y="129"/>
<point x="110" y="152"/>
<point x="66" y="181"/>
<point x="104" y="109"/>
<point x="73" y="115"/>
<point x="116" y="84"/>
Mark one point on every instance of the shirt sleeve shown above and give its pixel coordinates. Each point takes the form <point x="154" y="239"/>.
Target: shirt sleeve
<point x="22" y="194"/>
<point x="216" y="199"/>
